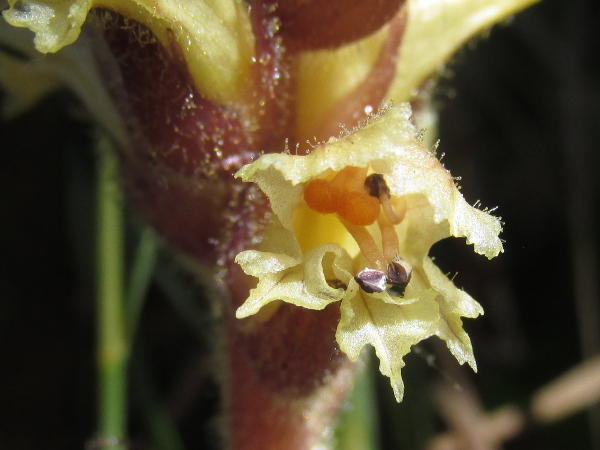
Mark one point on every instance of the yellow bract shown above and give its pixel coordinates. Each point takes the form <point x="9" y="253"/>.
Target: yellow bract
<point x="216" y="39"/>
<point x="435" y="30"/>
<point x="317" y="273"/>
<point x="325" y="77"/>
<point x="214" y="36"/>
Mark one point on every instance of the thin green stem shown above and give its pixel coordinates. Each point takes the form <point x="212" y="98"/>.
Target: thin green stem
<point x="112" y="339"/>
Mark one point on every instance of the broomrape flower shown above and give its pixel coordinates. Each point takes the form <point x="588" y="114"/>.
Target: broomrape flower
<point x="353" y="223"/>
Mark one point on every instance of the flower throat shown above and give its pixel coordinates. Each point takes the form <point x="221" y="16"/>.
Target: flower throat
<point x="359" y="200"/>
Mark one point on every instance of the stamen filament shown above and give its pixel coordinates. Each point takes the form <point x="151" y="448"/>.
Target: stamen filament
<point x="388" y="210"/>
<point x="367" y="246"/>
<point x="389" y="238"/>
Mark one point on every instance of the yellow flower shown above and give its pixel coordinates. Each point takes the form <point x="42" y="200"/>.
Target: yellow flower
<point x="353" y="222"/>
<point x="214" y="36"/>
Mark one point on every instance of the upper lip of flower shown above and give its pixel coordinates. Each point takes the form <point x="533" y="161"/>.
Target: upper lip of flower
<point x="390" y="145"/>
<point x="295" y="266"/>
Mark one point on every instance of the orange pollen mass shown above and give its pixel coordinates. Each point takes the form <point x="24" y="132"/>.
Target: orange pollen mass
<point x="357" y="208"/>
<point x="321" y="196"/>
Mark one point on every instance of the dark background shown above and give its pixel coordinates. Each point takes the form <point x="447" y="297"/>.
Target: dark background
<point x="519" y="123"/>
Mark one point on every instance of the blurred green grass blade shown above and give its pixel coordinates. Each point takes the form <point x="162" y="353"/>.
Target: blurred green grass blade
<point x="358" y="427"/>
<point x="142" y="269"/>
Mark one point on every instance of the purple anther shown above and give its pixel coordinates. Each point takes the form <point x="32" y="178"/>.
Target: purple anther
<point x="371" y="280"/>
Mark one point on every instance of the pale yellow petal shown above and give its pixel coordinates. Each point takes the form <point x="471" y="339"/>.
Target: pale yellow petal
<point x="325" y="77"/>
<point x="55" y="23"/>
<point x="302" y="285"/>
<point x="454" y="303"/>
<point x="418" y="231"/>
<point x="391" y="329"/>
<point x="270" y="173"/>
<point x="278" y="251"/>
<point x="479" y="227"/>
<point x="436" y="29"/>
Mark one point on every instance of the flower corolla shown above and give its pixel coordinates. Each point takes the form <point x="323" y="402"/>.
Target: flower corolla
<point x="353" y="222"/>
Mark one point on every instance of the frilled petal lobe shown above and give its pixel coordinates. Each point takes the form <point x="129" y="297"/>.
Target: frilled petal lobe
<point x="304" y="284"/>
<point x="391" y="329"/>
<point x="55" y="24"/>
<point x="454" y="303"/>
